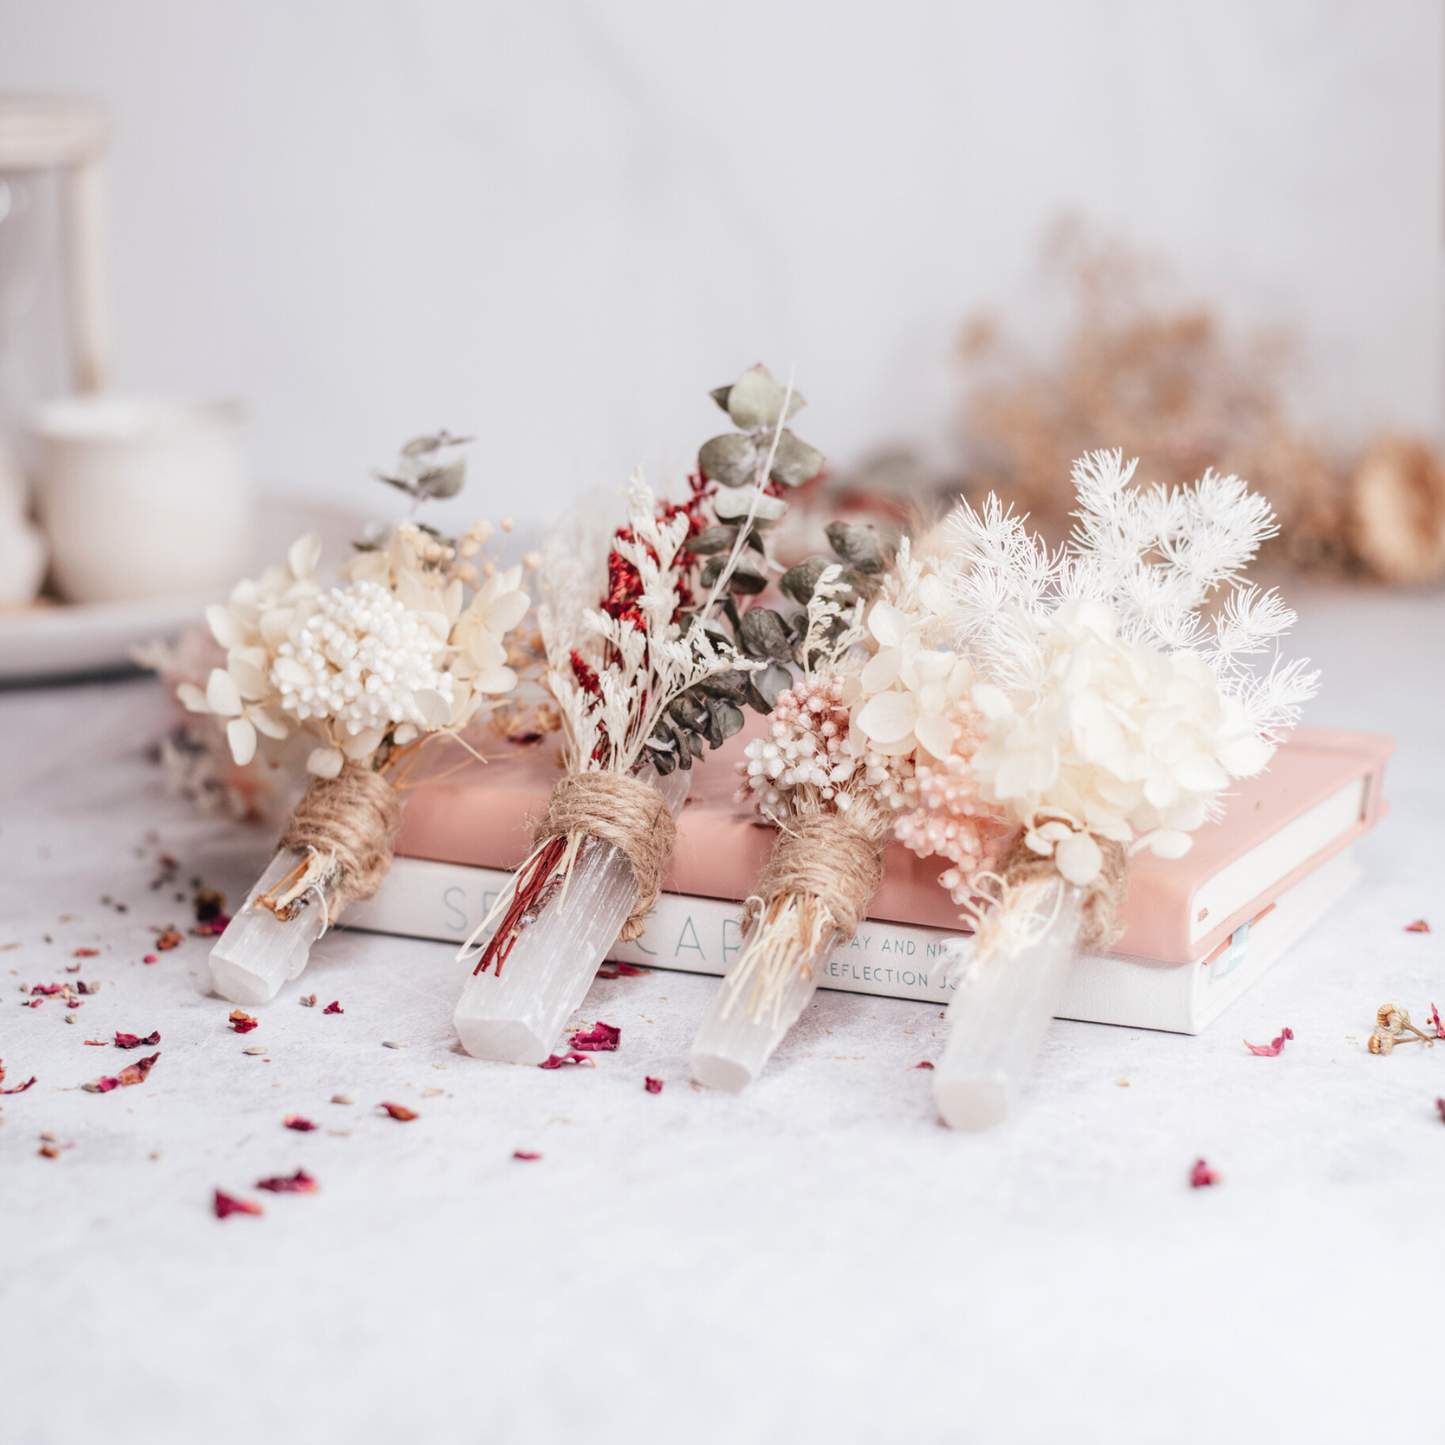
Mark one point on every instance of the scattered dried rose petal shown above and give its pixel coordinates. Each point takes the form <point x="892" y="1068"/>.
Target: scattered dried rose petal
<point x="212" y="926"/>
<point x="85" y="953"/>
<point x="1435" y="1019"/>
<point x="653" y="1086"/>
<point x="83" y="987"/>
<point x="600" y="1038"/>
<point x="227" y="1204"/>
<point x="524" y="1154"/>
<point x="242" y="1022"/>
<point x="1270" y="1050"/>
<point x="1440" y="1105"/>
<point x="334" y="1007"/>
<point x="924" y="1065"/>
<point x="150" y="958"/>
<point x="48" y="989"/>
<point x="102" y="1085"/>
<point x="170" y="939"/>
<point x="134" y="1041"/>
<point x="136" y="1073"/>
<point x="1202" y="1176"/>
<point x="399" y="1111"/>
<point x="1418" y="926"/>
<point x="19" y="1088"/>
<point x="555" y="1061"/>
<point x="48" y="1151"/>
<point x="298" y="1183"/>
<point x="96" y="1044"/>
<point x="72" y="968"/>
<point x="300" y="1124"/>
<point x="210" y="904"/>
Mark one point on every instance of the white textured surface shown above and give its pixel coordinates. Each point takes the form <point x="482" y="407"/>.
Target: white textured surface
<point x="815" y="1258"/>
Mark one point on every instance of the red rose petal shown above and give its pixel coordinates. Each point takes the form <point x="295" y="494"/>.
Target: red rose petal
<point x="136" y="1073"/>
<point x="653" y="1086"/>
<point x="924" y="1065"/>
<point x="48" y="988"/>
<point x="1435" y="1019"/>
<point x="1418" y="926"/>
<point x="150" y="958"/>
<point x="399" y="1111"/>
<point x="1440" y="1105"/>
<point x="85" y="953"/>
<point x="1202" y="1176"/>
<point x="1269" y="1051"/>
<point x="298" y="1183"/>
<point x="524" y="1154"/>
<point x="600" y="1038"/>
<point x="242" y="1022"/>
<point x="334" y="1007"/>
<point x="301" y="1125"/>
<point x="19" y="1088"/>
<point x="227" y="1204"/>
<point x="555" y="1061"/>
<point x="134" y="1041"/>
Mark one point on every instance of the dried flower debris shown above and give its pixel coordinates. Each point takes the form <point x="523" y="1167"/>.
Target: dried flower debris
<point x="400" y="1111"/>
<point x="242" y="1022"/>
<point x="168" y="939"/>
<point x="226" y="1205"/>
<point x="19" y="1088"/>
<point x="150" y="958"/>
<point x="600" y="1038"/>
<point x="135" y="1073"/>
<point x="525" y="1154"/>
<point x="334" y="1007"/>
<point x="1272" y="1049"/>
<point x="211" y="915"/>
<point x="134" y="1041"/>
<point x="1203" y="1177"/>
<point x="653" y="1086"/>
<point x="1440" y="1105"/>
<point x="301" y="1124"/>
<point x="926" y="1064"/>
<point x="342" y="1099"/>
<point x="1435" y="1019"/>
<point x="556" y="1061"/>
<point x="1391" y="1024"/>
<point x="1418" y="926"/>
<point x="620" y="970"/>
<point x="298" y="1183"/>
<point x="307" y="1000"/>
<point x="85" y="953"/>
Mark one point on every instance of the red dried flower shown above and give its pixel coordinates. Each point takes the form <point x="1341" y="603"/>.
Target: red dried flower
<point x="242" y="1022"/>
<point x="555" y="1061"/>
<point x="1440" y="1105"/>
<point x="19" y="1088"/>
<point x="134" y="1041"/>
<point x="136" y="1073"/>
<point x="600" y="1038"/>
<point x="1435" y="1019"/>
<point x="83" y="987"/>
<point x="399" y="1111"/>
<point x="524" y="1154"/>
<point x="102" y="1085"/>
<point x="47" y="988"/>
<point x="653" y="1086"/>
<point x="1268" y="1051"/>
<point x="150" y="958"/>
<point x="334" y="1007"/>
<point x="301" y="1124"/>
<point x="1202" y="1176"/>
<point x="170" y="939"/>
<point x="85" y="953"/>
<point x="227" y="1204"/>
<point x="298" y="1183"/>
<point x="1418" y="926"/>
<point x="924" y="1065"/>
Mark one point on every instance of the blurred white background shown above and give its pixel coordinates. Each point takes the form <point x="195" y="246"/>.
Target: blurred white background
<point x="558" y="224"/>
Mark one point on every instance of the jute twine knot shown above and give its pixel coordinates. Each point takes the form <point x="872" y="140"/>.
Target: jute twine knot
<point x="1102" y="901"/>
<point x="353" y="817"/>
<point x="622" y="811"/>
<point x="826" y="857"/>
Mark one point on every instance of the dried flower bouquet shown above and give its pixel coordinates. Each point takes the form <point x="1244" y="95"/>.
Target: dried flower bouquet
<point x="1114" y="715"/>
<point x="410" y="646"/>
<point x="644" y="680"/>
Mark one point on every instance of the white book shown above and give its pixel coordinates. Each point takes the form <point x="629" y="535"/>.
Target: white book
<point x="445" y="901"/>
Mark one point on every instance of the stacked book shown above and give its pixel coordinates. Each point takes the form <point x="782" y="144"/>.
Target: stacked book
<point x="1198" y="929"/>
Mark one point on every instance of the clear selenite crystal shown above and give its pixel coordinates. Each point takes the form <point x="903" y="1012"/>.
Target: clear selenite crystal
<point x="517" y="1018"/>
<point x="258" y="952"/>
<point x="729" y="1052"/>
<point x="999" y="1015"/>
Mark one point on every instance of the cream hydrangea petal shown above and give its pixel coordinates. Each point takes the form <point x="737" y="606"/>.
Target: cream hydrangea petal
<point x="304" y="554"/>
<point x="888" y="717"/>
<point x="266" y="722"/>
<point x="506" y="611"/>
<point x="935" y="733"/>
<point x="1168" y="843"/>
<point x="222" y="695"/>
<point x="1078" y="858"/>
<point x="484" y="649"/>
<point x="1245" y="757"/>
<point x="993" y="702"/>
<point x="242" y="738"/>
<point x="325" y="762"/>
<point x="224" y="627"/>
<point x="192" y="698"/>
<point x="495" y="680"/>
<point x="435" y="708"/>
<point x="888" y="625"/>
<point x="363" y="744"/>
<point x="250" y="680"/>
<point x="881" y="671"/>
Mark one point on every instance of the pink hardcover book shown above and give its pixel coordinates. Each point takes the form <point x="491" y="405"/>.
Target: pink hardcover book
<point x="1321" y="790"/>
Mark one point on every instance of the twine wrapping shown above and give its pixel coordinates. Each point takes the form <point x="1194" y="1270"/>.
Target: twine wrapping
<point x="828" y="858"/>
<point x="353" y="817"/>
<point x="620" y="810"/>
<point x="1102" y="898"/>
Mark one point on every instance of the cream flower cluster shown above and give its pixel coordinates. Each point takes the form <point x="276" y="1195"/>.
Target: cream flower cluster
<point x="1119" y="740"/>
<point x="390" y="655"/>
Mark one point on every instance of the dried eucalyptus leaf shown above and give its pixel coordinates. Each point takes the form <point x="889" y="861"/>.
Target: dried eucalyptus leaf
<point x="735" y="504"/>
<point x="688" y="712"/>
<point x="795" y="462"/>
<point x="719" y="635"/>
<point x="730" y="686"/>
<point x="724" y="719"/>
<point x="713" y="539"/>
<point x="424" y="446"/>
<point x="801" y="581"/>
<point x="860" y="544"/>
<point x="695" y="744"/>
<point x="444" y="481"/>
<point x="765" y="685"/>
<point x="720" y="395"/>
<point x="748" y="577"/>
<point x="755" y="400"/>
<point x="762" y="635"/>
<point x="402" y="484"/>
<point x="730" y="459"/>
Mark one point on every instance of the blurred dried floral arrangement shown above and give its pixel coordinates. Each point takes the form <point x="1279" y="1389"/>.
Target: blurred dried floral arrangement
<point x="1137" y="369"/>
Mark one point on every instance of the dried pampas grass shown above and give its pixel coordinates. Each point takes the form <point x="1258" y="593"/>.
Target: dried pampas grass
<point x="1397" y="511"/>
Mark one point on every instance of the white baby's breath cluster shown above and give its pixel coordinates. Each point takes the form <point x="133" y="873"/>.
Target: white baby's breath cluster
<point x="397" y="651"/>
<point x="1113" y="710"/>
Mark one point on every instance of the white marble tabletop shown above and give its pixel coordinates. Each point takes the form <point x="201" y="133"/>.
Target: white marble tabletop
<point x="814" y="1259"/>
